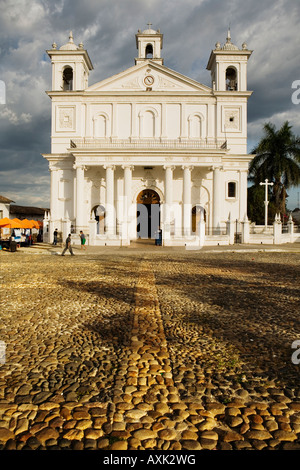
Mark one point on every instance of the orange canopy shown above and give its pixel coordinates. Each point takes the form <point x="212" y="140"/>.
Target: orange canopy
<point x="4" y="221"/>
<point x="17" y="223"/>
<point x="35" y="223"/>
<point x="9" y="224"/>
<point x="20" y="222"/>
<point x="27" y="223"/>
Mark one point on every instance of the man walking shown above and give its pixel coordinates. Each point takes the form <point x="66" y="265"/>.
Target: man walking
<point x="68" y="246"/>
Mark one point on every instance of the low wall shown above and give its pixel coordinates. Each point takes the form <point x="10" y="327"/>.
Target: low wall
<point x="248" y="234"/>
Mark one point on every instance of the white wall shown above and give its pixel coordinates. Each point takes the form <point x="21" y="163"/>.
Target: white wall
<point x="5" y="209"/>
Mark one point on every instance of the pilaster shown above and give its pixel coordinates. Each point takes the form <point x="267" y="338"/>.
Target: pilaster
<point x="109" y="207"/>
<point x="187" y="200"/>
<point x="79" y="197"/>
<point x="168" y="200"/>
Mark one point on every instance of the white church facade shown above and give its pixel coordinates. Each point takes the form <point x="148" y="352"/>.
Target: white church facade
<point x="148" y="147"/>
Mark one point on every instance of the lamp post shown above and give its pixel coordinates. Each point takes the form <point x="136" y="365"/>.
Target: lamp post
<point x="266" y="184"/>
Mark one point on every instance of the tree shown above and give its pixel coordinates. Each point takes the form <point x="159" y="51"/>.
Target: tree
<point x="277" y="159"/>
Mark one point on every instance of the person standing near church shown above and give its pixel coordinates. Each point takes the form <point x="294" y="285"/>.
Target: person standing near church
<point x="82" y="240"/>
<point x="68" y="246"/>
<point x="55" y="233"/>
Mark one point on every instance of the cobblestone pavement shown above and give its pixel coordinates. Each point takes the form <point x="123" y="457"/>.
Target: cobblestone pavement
<point x="158" y="349"/>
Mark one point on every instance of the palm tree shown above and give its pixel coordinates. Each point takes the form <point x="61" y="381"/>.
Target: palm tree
<point x="277" y="159"/>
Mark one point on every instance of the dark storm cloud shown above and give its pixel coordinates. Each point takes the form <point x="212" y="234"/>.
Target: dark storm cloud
<point x="107" y="28"/>
<point x="21" y="144"/>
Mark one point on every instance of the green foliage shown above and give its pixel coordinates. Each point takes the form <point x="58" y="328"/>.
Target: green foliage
<point x="256" y="209"/>
<point x="278" y="160"/>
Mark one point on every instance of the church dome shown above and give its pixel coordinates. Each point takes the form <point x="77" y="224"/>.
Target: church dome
<point x="70" y="46"/>
<point x="149" y="31"/>
<point x="228" y="46"/>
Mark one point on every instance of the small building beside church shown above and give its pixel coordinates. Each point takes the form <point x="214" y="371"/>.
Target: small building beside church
<point x="4" y="206"/>
<point x="148" y="147"/>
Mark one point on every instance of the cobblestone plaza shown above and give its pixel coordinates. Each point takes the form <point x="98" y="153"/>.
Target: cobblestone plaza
<point x="150" y="348"/>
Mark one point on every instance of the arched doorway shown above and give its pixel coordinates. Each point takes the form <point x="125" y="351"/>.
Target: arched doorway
<point x="196" y="214"/>
<point x="148" y="213"/>
<point x="99" y="214"/>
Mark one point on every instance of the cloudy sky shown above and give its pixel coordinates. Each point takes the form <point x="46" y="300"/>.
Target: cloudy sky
<point x="107" y="28"/>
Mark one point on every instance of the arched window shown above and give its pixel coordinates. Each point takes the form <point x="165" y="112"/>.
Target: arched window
<point x="68" y="79"/>
<point x="231" y="79"/>
<point x="100" y="125"/>
<point x="147" y="123"/>
<point x="195" y="126"/>
<point x="149" y="51"/>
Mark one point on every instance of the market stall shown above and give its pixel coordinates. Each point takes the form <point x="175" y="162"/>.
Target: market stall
<point x="16" y="232"/>
<point x="7" y="227"/>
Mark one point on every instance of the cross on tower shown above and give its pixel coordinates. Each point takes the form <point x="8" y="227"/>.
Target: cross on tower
<point x="266" y="184"/>
<point x="149" y="24"/>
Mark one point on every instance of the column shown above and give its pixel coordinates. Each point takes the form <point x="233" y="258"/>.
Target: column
<point x="218" y="196"/>
<point x="186" y="200"/>
<point x="168" y="184"/>
<point x="110" y="219"/>
<point x="53" y="191"/>
<point x="127" y="199"/>
<point x="168" y="200"/>
<point x="79" y="197"/>
<point x="66" y="228"/>
<point x="46" y="232"/>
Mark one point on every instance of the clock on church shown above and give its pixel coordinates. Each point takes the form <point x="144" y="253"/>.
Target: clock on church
<point x="149" y="80"/>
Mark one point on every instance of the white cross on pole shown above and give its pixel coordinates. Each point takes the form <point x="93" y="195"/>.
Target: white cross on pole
<point x="266" y="184"/>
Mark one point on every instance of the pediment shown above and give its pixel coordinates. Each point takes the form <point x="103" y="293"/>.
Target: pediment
<point x="135" y="79"/>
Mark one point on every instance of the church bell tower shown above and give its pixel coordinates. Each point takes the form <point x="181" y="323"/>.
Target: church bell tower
<point x="228" y="66"/>
<point x="149" y="44"/>
<point x="71" y="66"/>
